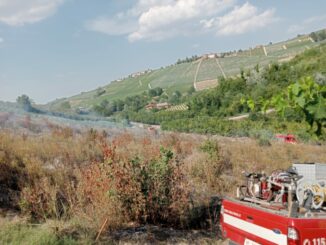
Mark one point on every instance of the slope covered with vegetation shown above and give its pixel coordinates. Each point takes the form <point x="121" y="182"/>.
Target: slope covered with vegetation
<point x="164" y="97"/>
<point x="209" y="109"/>
<point x="183" y="75"/>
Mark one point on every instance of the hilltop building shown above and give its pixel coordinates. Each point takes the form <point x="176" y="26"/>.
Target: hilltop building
<point x="158" y="106"/>
<point x="211" y="56"/>
<point x="137" y="74"/>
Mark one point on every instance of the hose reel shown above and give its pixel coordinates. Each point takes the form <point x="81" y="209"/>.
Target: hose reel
<point x="311" y="194"/>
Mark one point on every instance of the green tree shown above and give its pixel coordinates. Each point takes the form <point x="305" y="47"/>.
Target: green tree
<point x="175" y="97"/>
<point x="99" y="92"/>
<point x="155" y="92"/>
<point x="306" y="96"/>
<point x="25" y="102"/>
<point x="314" y="36"/>
<point x="158" y="91"/>
<point x="191" y="90"/>
<point x="152" y="92"/>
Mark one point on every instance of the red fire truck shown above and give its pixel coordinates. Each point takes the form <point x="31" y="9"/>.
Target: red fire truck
<point x="287" y="138"/>
<point x="252" y="224"/>
<point x="296" y="215"/>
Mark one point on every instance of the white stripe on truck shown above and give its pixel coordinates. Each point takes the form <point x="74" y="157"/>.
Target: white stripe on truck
<point x="256" y="230"/>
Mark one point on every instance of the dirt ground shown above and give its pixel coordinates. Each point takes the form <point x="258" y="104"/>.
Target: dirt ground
<point x="151" y="234"/>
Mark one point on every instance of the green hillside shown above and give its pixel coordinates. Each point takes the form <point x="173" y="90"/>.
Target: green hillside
<point x="182" y="76"/>
<point x="301" y="112"/>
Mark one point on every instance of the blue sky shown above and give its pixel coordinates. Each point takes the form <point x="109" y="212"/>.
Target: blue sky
<point x="58" y="48"/>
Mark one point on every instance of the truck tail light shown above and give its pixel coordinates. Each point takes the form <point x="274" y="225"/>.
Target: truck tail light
<point x="293" y="236"/>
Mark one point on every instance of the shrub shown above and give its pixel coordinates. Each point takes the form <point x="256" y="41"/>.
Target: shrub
<point x="148" y="188"/>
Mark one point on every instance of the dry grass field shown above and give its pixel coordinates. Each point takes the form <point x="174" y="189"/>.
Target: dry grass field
<point x="71" y="182"/>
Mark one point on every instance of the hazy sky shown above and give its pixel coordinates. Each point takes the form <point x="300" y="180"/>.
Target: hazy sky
<point x="57" y="48"/>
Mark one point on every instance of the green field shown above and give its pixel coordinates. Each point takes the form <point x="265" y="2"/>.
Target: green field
<point x="182" y="76"/>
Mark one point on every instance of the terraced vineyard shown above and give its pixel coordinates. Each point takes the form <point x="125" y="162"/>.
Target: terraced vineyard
<point x="206" y="84"/>
<point x="208" y="70"/>
<point x="182" y="76"/>
<point x="181" y="107"/>
<point x="258" y="51"/>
